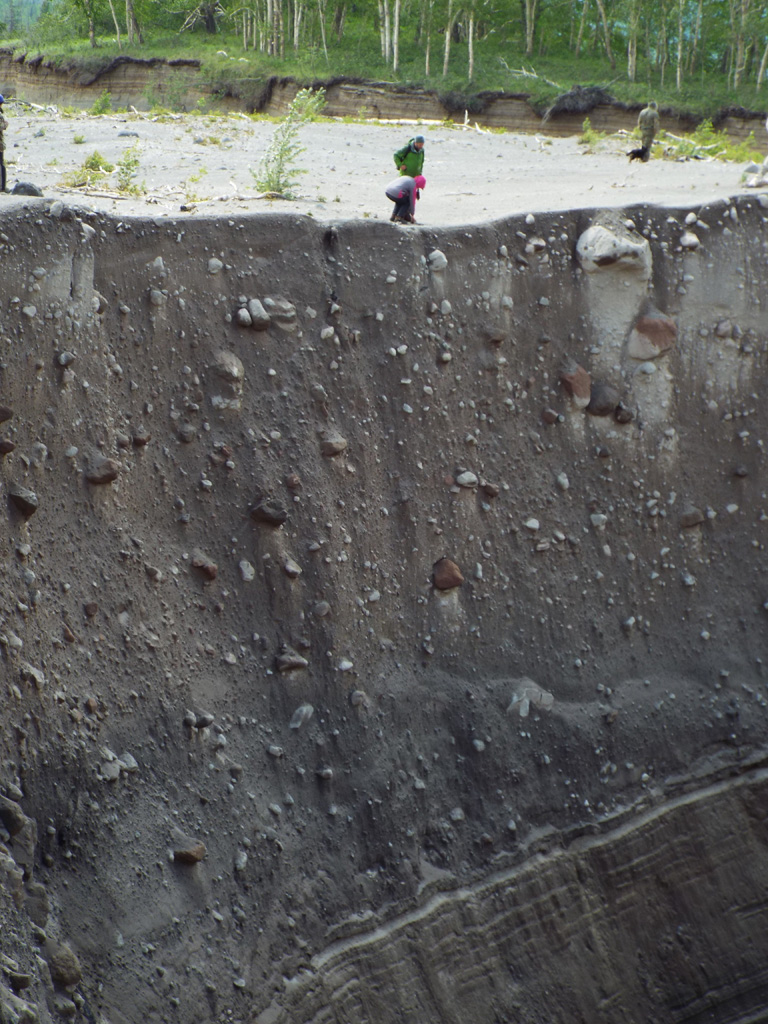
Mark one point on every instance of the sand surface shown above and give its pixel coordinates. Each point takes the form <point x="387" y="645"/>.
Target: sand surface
<point x="206" y="163"/>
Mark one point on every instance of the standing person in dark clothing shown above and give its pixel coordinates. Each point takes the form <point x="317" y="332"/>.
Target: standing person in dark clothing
<point x="3" y="126"/>
<point x="404" y="192"/>
<point x="410" y="159"/>
<point x="648" y="123"/>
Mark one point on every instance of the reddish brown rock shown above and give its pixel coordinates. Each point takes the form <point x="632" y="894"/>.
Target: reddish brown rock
<point x="446" y="574"/>
<point x="102" y="471"/>
<point x="141" y="437"/>
<point x="691" y="516"/>
<point x="7" y="446"/>
<point x="578" y="383"/>
<point x="653" y="334"/>
<point x="187" y="850"/>
<point x="204" y="564"/>
<point x="5" y="413"/>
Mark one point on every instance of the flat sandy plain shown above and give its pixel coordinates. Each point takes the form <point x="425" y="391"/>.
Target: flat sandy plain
<point x="206" y="163"/>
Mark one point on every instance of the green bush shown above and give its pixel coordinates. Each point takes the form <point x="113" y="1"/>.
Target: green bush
<point x="589" y="137"/>
<point x="103" y="105"/>
<point x="706" y="141"/>
<point x="278" y="171"/>
<point x="127" y="170"/>
<point x="92" y="171"/>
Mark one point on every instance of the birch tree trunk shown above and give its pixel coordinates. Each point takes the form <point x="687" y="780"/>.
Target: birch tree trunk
<point x="298" y="14"/>
<point x="585" y="6"/>
<point x="679" y="68"/>
<point x="117" y="24"/>
<point x="743" y="11"/>
<point x="448" y="33"/>
<point x="696" y="39"/>
<point x="428" y="30"/>
<point x="396" y="37"/>
<point x="761" y="71"/>
<point x="321" y="15"/>
<point x="607" y="33"/>
<point x="387" y="31"/>
<point x="633" y="24"/>
<point x="529" y="9"/>
<point x="134" y="32"/>
<point x="471" y="41"/>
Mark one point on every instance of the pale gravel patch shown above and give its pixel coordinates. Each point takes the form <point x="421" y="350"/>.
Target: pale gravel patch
<point x="472" y="177"/>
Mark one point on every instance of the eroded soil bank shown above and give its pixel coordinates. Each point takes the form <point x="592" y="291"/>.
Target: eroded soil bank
<point x="182" y="85"/>
<point x="383" y="623"/>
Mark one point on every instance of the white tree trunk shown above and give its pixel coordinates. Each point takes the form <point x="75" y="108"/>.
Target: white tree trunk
<point x="396" y="37"/>
<point x="117" y="24"/>
<point x="448" y="31"/>
<point x="321" y="15"/>
<point x="763" y="66"/>
<point x="679" y="69"/>
<point x="298" y="13"/>
<point x="471" y="46"/>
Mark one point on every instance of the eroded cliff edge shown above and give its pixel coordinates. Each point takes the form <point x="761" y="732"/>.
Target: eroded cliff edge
<point x="373" y="597"/>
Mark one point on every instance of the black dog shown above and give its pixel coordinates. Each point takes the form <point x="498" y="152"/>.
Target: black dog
<point x="641" y="153"/>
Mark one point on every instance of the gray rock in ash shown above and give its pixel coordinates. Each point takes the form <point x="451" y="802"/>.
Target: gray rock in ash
<point x="269" y="511"/>
<point x="302" y="714"/>
<point x="332" y="443"/>
<point x="24" y="499"/>
<point x="260" y="318"/>
<point x="603" y="399"/>
<point x="289" y="659"/>
<point x="437" y="260"/>
<point x="12" y="816"/>
<point x="25" y="188"/>
<point x="63" y="964"/>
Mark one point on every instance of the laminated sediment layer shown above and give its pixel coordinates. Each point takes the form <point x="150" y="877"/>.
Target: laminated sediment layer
<point x="343" y="561"/>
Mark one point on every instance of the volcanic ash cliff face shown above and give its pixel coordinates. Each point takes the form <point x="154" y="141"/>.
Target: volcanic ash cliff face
<point x="383" y="618"/>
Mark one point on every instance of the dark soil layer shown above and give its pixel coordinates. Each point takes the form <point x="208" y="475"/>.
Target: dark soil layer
<point x="383" y="619"/>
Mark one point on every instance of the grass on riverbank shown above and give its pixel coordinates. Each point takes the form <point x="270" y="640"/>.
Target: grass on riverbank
<point x="230" y="70"/>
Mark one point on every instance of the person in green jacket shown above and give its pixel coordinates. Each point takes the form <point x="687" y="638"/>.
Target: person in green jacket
<point x="410" y="159"/>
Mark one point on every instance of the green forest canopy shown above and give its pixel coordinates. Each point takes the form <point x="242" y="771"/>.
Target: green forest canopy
<point x="677" y="46"/>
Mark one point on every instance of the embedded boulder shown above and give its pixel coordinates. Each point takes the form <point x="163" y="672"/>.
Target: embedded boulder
<point x="600" y="247"/>
<point x="578" y="383"/>
<point x="652" y="334"/>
